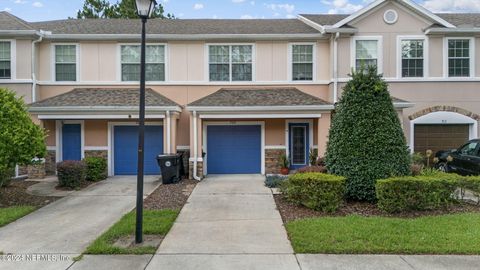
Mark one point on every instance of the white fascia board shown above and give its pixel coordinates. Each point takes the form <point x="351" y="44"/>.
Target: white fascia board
<point x="104" y="109"/>
<point x="452" y="31"/>
<point x="261" y="116"/>
<point x="259" y="108"/>
<point x="127" y="37"/>
<point x="408" y="3"/>
<point x="96" y="116"/>
<point x="332" y="30"/>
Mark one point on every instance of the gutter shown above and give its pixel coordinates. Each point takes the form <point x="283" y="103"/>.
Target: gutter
<point x="452" y="31"/>
<point x="34" y="66"/>
<point x="259" y="108"/>
<point x="135" y="37"/>
<point x="103" y="109"/>
<point x="335" y="67"/>
<point x="17" y="33"/>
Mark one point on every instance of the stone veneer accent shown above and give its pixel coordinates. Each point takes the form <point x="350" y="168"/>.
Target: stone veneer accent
<point x="97" y="153"/>
<point x="50" y="164"/>
<point x="444" y="109"/>
<point x="199" y="169"/>
<point x="271" y="160"/>
<point x="36" y="171"/>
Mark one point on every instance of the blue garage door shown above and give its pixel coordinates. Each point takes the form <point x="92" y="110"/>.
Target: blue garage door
<point x="234" y="149"/>
<point x="71" y="142"/>
<point x="126" y="148"/>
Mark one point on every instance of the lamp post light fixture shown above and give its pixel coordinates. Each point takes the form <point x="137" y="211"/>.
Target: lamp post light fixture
<point x="144" y="11"/>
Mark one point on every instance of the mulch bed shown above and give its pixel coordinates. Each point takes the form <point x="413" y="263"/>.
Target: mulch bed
<point x="16" y="195"/>
<point x="290" y="211"/>
<point x="173" y="196"/>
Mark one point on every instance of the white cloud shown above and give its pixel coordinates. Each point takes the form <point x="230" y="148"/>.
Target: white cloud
<point x="290" y="16"/>
<point x="342" y="6"/>
<point x="7" y="9"/>
<point x="20" y="2"/>
<point x="198" y="6"/>
<point x="246" y="17"/>
<point x="289" y="8"/>
<point x="238" y="1"/>
<point x="252" y="3"/>
<point x="37" y="4"/>
<point x="452" y="5"/>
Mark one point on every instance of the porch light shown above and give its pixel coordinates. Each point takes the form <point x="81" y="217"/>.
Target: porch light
<point x="144" y="10"/>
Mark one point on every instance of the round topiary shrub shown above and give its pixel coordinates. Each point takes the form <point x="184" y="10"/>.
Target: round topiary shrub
<point x="366" y="140"/>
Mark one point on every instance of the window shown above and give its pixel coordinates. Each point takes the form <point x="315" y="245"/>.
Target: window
<point x="459" y="57"/>
<point x="65" y="62"/>
<point x="302" y="62"/>
<point x="5" y="60"/>
<point x="230" y="62"/>
<point x="469" y="149"/>
<point x="412" y="58"/>
<point x="154" y="62"/>
<point x="366" y="53"/>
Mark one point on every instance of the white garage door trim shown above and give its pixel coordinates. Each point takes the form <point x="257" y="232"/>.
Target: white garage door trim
<point x="233" y="123"/>
<point x="443" y="118"/>
<point x="111" y="145"/>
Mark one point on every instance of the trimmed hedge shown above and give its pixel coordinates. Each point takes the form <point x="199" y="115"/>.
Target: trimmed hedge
<point x="96" y="168"/>
<point x="318" y="191"/>
<point x="470" y="184"/>
<point x="309" y="169"/>
<point x="400" y="194"/>
<point x="6" y="175"/>
<point x="71" y="173"/>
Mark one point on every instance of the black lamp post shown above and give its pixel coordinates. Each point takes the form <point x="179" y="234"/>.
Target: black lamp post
<point x="144" y="10"/>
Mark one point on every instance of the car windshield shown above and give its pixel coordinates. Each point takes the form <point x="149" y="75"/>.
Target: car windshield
<point x="469" y="149"/>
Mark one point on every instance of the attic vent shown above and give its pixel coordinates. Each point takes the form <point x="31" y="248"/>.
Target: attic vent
<point x="390" y="16"/>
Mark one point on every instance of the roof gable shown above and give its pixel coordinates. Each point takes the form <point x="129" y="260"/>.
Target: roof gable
<point x="407" y="3"/>
<point x="11" y="22"/>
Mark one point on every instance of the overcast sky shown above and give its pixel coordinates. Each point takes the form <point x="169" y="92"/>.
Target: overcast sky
<point x="38" y="10"/>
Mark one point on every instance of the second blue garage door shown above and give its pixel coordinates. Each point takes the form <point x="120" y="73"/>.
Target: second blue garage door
<point x="126" y="148"/>
<point x="234" y="149"/>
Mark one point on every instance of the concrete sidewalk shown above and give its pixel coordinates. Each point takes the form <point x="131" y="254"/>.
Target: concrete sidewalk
<point x="69" y="225"/>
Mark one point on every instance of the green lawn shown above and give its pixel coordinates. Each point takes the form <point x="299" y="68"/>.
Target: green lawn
<point x="10" y="214"/>
<point x="155" y="222"/>
<point x="449" y="234"/>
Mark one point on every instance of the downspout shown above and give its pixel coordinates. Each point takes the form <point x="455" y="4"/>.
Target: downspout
<point x="168" y="133"/>
<point x="195" y="150"/>
<point x="335" y="67"/>
<point x="34" y="76"/>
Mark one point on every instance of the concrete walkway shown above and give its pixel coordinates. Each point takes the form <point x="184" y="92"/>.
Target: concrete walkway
<point x="69" y="225"/>
<point x="230" y="222"/>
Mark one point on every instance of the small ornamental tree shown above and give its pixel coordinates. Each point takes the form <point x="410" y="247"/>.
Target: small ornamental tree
<point x="366" y="140"/>
<point x="20" y="139"/>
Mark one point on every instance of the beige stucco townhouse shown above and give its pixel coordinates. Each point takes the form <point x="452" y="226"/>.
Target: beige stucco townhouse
<point x="236" y="94"/>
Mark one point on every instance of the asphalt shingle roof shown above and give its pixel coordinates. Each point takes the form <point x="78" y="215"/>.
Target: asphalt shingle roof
<point x="100" y="97"/>
<point x="258" y="97"/>
<point x="11" y="22"/>
<point x="325" y="19"/>
<point x="180" y="26"/>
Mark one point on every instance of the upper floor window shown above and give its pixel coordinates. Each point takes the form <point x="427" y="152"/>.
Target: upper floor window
<point x="154" y="62"/>
<point x="230" y="62"/>
<point x="5" y="60"/>
<point x="302" y="62"/>
<point x="412" y="58"/>
<point x="459" y="57"/>
<point x="65" y="62"/>
<point x="367" y="52"/>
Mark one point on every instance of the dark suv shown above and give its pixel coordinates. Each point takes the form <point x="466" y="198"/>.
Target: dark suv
<point x="464" y="160"/>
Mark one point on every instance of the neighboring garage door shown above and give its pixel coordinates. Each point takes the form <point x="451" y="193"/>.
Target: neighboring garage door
<point x="440" y="137"/>
<point x="234" y="149"/>
<point x="126" y="148"/>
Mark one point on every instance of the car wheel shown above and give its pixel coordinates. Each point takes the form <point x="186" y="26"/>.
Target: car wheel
<point x="443" y="167"/>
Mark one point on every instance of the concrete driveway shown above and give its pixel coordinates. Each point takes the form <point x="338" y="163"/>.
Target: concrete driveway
<point x="69" y="225"/>
<point x="229" y="222"/>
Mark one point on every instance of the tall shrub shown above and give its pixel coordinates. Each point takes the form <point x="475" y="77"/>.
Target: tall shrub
<point x="366" y="140"/>
<point x="20" y="139"/>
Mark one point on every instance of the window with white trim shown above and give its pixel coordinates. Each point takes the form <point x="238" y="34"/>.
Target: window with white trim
<point x="154" y="62"/>
<point x="366" y="53"/>
<point x="230" y="63"/>
<point x="412" y="58"/>
<point x="302" y="62"/>
<point x="65" y="62"/>
<point x="5" y="60"/>
<point x="459" y="57"/>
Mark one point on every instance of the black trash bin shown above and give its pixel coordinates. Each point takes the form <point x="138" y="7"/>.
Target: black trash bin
<point x="171" y="166"/>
